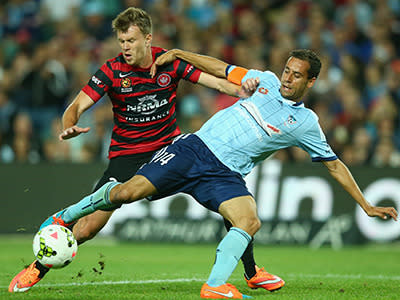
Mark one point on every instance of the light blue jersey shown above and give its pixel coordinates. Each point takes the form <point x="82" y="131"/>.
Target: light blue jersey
<point x="252" y="129"/>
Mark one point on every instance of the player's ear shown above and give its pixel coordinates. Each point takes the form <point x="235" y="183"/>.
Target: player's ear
<point x="311" y="82"/>
<point x="148" y="39"/>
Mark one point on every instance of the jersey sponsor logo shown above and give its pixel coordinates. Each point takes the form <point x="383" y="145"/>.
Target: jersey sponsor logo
<point x="97" y="81"/>
<point x="189" y="70"/>
<point x="123" y="75"/>
<point x="163" y="79"/>
<point x="147" y="105"/>
<point x="145" y="119"/>
<point x="263" y="90"/>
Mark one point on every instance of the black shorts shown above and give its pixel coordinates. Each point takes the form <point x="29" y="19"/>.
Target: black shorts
<point x="122" y="168"/>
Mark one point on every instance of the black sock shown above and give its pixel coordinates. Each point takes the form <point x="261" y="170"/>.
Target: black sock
<point x="248" y="261"/>
<point x="247" y="257"/>
<point x="43" y="270"/>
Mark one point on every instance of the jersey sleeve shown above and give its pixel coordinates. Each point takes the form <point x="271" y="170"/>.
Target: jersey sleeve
<point x="314" y="142"/>
<point x="187" y="71"/>
<point x="100" y="83"/>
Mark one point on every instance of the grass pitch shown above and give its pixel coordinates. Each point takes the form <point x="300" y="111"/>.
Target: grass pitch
<point x="105" y="269"/>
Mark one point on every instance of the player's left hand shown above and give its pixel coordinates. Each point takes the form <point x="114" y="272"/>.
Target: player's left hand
<point x="248" y="87"/>
<point x="163" y="59"/>
<point x="382" y="212"/>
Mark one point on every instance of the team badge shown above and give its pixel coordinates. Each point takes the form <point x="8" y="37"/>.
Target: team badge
<point x="290" y="120"/>
<point x="163" y="79"/>
<point x="126" y="83"/>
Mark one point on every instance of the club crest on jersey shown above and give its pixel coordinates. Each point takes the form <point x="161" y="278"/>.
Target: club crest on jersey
<point x="163" y="79"/>
<point x="290" y="120"/>
<point x="126" y="82"/>
<point x="126" y="85"/>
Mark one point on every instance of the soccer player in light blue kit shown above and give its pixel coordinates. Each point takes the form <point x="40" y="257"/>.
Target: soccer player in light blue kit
<point x="211" y="163"/>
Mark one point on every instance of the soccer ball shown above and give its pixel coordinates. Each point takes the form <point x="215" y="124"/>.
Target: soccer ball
<point x="55" y="246"/>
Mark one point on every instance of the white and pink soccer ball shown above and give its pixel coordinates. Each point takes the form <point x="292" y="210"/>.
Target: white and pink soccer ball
<point x="55" y="246"/>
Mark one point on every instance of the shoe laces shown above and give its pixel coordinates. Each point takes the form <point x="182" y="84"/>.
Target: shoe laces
<point x="31" y="275"/>
<point x="58" y="220"/>
<point x="263" y="273"/>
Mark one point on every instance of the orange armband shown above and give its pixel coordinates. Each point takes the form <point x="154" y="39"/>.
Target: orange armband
<point x="236" y="75"/>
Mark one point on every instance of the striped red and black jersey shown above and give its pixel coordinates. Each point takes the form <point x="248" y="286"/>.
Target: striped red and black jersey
<point x="144" y="107"/>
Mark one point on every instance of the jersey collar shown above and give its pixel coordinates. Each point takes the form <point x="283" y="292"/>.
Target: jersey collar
<point x="293" y="103"/>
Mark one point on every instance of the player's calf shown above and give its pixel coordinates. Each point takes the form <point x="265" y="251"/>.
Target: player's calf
<point x="87" y="227"/>
<point x="98" y="200"/>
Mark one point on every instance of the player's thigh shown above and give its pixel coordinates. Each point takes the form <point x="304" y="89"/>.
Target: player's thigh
<point x="90" y="225"/>
<point x="242" y="213"/>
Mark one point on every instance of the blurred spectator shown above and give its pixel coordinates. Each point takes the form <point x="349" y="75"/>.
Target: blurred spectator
<point x="7" y="111"/>
<point x="49" y="49"/>
<point x="53" y="150"/>
<point x="59" y="11"/>
<point x="23" y="142"/>
<point x="386" y="155"/>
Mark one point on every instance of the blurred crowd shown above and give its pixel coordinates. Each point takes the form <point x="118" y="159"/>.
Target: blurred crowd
<point x="50" y="48"/>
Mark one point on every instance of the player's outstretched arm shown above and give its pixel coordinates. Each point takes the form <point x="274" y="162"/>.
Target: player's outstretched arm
<point x="224" y="86"/>
<point x="72" y="114"/>
<point x="341" y="173"/>
<point x="205" y="63"/>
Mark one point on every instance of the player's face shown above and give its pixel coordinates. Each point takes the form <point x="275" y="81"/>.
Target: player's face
<point x="135" y="46"/>
<point x="294" y="81"/>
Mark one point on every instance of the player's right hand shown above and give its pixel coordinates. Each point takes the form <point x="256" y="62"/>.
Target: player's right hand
<point x="248" y="87"/>
<point x="72" y="132"/>
<point x="382" y="212"/>
<point x="166" y="58"/>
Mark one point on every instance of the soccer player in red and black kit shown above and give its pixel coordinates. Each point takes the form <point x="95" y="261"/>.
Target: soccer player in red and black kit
<point x="144" y="122"/>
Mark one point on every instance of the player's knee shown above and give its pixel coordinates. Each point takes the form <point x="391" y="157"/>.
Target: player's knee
<point x="123" y="194"/>
<point x="250" y="224"/>
<point x="254" y="225"/>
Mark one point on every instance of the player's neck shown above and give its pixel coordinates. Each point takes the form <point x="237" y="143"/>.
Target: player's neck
<point x="148" y="60"/>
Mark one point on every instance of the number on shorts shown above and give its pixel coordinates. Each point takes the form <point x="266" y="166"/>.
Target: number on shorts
<point x="163" y="156"/>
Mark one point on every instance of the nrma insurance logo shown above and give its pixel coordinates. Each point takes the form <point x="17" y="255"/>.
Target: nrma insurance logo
<point x="147" y="105"/>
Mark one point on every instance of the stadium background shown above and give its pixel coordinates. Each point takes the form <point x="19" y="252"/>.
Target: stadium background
<point x="50" y="48"/>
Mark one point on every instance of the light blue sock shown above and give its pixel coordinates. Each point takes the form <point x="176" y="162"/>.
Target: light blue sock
<point x="98" y="200"/>
<point x="229" y="251"/>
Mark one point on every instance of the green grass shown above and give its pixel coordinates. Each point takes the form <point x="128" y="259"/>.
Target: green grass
<point x="130" y="271"/>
